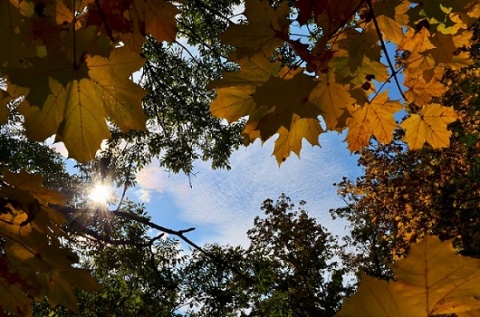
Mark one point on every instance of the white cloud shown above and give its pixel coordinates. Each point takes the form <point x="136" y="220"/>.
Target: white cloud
<point x="57" y="146"/>
<point x="224" y="203"/>
<point x="151" y="178"/>
<point x="143" y="194"/>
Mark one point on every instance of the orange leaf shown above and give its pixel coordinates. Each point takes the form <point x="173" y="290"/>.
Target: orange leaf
<point x="429" y="126"/>
<point x="372" y="119"/>
<point x="291" y="140"/>
<point x="332" y="100"/>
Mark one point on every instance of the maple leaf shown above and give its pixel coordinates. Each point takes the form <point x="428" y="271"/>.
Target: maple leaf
<point x="332" y="100"/>
<point x="442" y="14"/>
<point x="431" y="280"/>
<point x="284" y="97"/>
<point x="76" y="91"/>
<point x="16" y="33"/>
<point x="31" y="231"/>
<point x="266" y="29"/>
<point x="391" y="18"/>
<point x="419" y="46"/>
<point x="132" y="20"/>
<point x="233" y="103"/>
<point x="372" y="119"/>
<point x="429" y="126"/>
<point x="33" y="185"/>
<point x="291" y="140"/>
<point x="369" y="70"/>
<point x="234" y="92"/>
<point x="422" y="92"/>
<point x="447" y="53"/>
<point x="357" y="45"/>
<point x="254" y="71"/>
<point x="331" y="15"/>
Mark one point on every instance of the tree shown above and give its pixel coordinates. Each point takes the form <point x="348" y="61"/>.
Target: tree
<point x="289" y="269"/>
<point x="404" y="195"/>
<point x="69" y="66"/>
<point x="138" y="273"/>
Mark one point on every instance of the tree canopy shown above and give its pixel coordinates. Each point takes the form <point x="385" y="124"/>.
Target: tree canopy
<point x="293" y="69"/>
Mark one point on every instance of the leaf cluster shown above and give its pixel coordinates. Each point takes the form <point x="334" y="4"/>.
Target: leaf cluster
<point x="404" y="195"/>
<point x="332" y="85"/>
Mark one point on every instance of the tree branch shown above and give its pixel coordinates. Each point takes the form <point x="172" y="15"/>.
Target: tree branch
<point x="384" y="48"/>
<point x="78" y="227"/>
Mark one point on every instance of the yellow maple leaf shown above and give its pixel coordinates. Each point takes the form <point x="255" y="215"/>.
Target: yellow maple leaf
<point x="291" y="140"/>
<point x="431" y="280"/>
<point x="332" y="100"/>
<point x="422" y="92"/>
<point x="264" y="30"/>
<point x="429" y="126"/>
<point x="418" y="44"/>
<point x="255" y="71"/>
<point x="372" y="119"/>
<point x="233" y="103"/>
<point x="74" y="92"/>
<point x="370" y="70"/>
<point x="391" y="16"/>
<point x="33" y="185"/>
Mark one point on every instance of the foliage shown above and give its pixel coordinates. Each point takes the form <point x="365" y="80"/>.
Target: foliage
<point x="34" y="262"/>
<point x="432" y="280"/>
<point x="336" y="72"/>
<point x="138" y="273"/>
<point x="405" y="194"/>
<point x="288" y="269"/>
<point x="68" y="65"/>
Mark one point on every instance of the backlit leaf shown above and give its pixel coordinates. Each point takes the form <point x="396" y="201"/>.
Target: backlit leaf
<point x="284" y="97"/>
<point x="429" y="126"/>
<point x="75" y="93"/>
<point x="291" y="140"/>
<point x="431" y="280"/>
<point x="332" y="100"/>
<point x="421" y="92"/>
<point x="264" y="31"/>
<point x="372" y="119"/>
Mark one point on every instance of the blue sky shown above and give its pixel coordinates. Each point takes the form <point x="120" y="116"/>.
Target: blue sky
<point x="222" y="204"/>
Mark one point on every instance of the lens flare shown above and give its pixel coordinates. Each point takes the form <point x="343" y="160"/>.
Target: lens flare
<point x="100" y="194"/>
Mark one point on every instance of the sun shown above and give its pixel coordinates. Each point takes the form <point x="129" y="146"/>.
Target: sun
<point x="100" y="194"/>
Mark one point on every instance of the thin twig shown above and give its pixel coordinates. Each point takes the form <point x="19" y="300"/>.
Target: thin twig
<point x="384" y="48"/>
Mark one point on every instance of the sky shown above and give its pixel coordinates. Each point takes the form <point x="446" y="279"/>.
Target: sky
<point x="222" y="204"/>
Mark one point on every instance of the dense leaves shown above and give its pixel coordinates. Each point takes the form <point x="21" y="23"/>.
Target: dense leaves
<point x="145" y="274"/>
<point x="344" y="63"/>
<point x="288" y="269"/>
<point x="138" y="273"/>
<point x="432" y="280"/>
<point x="406" y="194"/>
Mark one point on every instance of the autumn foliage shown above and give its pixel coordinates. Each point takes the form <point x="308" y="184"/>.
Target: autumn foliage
<point x="68" y="66"/>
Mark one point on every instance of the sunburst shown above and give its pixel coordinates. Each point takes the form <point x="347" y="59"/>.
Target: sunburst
<point x="100" y="194"/>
